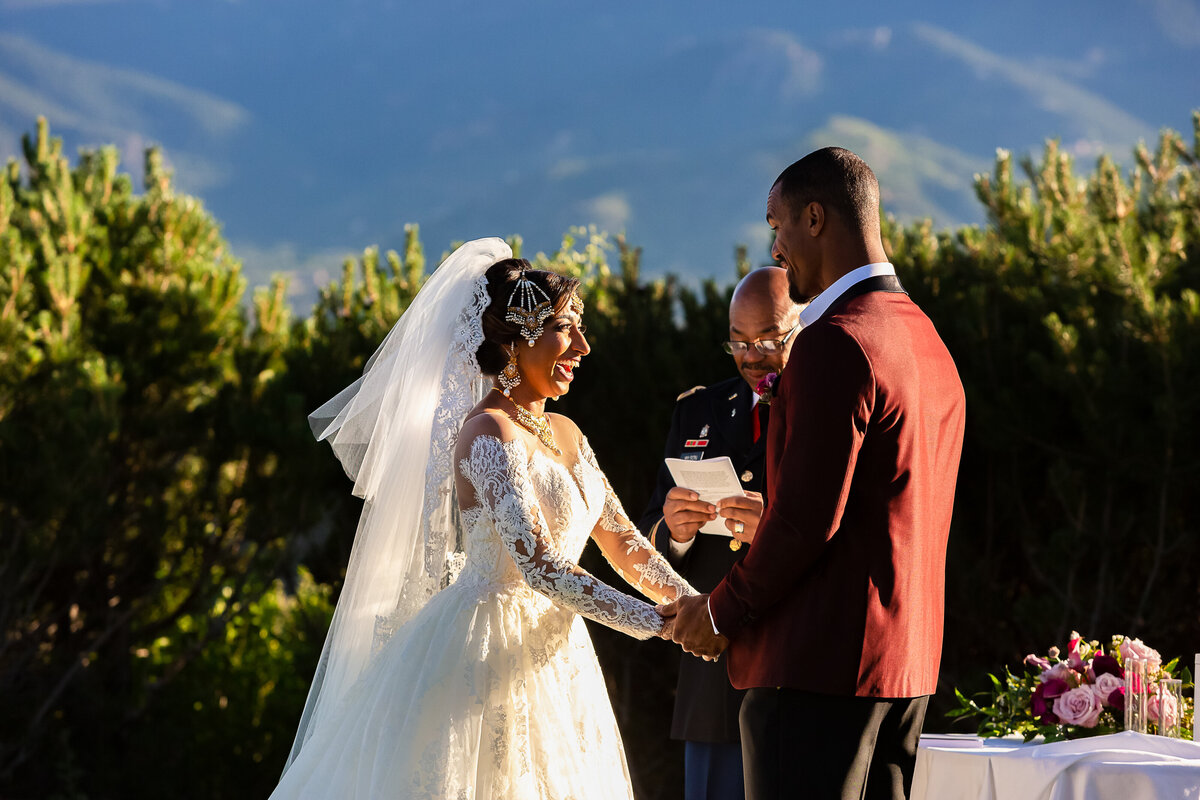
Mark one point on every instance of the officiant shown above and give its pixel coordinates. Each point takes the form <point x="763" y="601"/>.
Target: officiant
<point x="724" y="419"/>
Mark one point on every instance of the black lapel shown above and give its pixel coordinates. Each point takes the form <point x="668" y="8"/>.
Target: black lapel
<point x="878" y="283"/>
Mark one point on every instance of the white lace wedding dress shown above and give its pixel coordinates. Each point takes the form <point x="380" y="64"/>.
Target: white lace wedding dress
<point x="493" y="690"/>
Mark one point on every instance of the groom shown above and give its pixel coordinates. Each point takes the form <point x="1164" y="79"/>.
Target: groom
<point x="833" y="619"/>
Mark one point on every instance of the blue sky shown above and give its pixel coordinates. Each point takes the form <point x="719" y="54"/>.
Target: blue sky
<point x="313" y="129"/>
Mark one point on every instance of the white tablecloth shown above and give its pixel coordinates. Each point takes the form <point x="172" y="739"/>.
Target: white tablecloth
<point x="1123" y="766"/>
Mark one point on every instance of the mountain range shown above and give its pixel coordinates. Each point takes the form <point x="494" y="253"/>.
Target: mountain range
<point x="312" y="129"/>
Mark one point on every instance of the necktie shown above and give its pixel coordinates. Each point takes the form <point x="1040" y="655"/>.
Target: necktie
<point x="760" y="419"/>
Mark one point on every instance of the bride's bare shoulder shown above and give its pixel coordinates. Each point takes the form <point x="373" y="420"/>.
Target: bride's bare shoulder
<point x="484" y="422"/>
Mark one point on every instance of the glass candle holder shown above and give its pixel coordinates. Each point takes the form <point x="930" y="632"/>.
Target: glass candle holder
<point x="1167" y="707"/>
<point x="1136" y="696"/>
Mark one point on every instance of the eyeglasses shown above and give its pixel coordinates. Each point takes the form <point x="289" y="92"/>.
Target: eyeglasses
<point x="767" y="347"/>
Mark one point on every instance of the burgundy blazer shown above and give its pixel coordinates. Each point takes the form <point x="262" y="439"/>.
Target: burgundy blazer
<point x="842" y="591"/>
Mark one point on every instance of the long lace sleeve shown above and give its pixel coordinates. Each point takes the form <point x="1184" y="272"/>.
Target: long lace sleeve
<point x="630" y="553"/>
<point x="499" y="473"/>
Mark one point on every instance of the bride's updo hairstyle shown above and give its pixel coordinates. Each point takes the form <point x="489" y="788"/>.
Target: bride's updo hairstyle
<point x="498" y="334"/>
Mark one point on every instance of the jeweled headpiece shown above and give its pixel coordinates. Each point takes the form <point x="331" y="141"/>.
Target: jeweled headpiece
<point x="526" y="310"/>
<point x="576" y="303"/>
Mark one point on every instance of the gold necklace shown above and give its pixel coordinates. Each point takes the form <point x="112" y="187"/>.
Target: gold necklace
<point x="537" y="424"/>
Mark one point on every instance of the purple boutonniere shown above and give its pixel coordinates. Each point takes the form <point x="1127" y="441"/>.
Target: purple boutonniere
<point x="766" y="388"/>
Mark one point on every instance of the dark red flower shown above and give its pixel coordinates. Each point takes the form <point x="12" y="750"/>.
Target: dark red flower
<point x="1102" y="664"/>
<point x="1040" y="705"/>
<point x="766" y="388"/>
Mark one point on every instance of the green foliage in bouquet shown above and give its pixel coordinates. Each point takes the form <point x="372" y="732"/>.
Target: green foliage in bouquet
<point x="1081" y="695"/>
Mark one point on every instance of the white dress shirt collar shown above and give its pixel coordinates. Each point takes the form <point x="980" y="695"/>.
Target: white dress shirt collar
<point x="821" y="303"/>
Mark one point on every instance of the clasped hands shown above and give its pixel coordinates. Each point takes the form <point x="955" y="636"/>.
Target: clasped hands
<point x="687" y="623"/>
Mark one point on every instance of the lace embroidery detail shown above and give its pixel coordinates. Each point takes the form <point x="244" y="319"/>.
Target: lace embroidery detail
<point x="500" y="473"/>
<point x="460" y="374"/>
<point x="611" y="515"/>
<point x="627" y="550"/>
<point x="385" y="628"/>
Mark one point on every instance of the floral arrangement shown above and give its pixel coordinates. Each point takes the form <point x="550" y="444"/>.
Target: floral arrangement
<point x="766" y="388"/>
<point x="1081" y="695"/>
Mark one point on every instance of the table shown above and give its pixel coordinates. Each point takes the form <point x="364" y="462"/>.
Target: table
<point x="1121" y="766"/>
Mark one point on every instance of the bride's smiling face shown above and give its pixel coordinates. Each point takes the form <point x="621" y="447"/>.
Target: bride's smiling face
<point x="549" y="366"/>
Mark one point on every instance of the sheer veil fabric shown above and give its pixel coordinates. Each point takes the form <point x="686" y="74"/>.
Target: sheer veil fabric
<point x="394" y="431"/>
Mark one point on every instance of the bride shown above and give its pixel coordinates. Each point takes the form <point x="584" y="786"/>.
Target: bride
<point x="456" y="665"/>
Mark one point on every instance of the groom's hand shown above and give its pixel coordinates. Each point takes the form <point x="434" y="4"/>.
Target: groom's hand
<point x="742" y="515"/>
<point x="691" y="627"/>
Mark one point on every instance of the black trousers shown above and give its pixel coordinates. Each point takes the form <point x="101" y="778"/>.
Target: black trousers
<point x="802" y="745"/>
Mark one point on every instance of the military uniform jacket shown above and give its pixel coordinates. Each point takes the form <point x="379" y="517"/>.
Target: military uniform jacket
<point x="707" y="423"/>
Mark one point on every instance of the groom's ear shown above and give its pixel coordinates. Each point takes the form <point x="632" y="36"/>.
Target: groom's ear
<point x="812" y="219"/>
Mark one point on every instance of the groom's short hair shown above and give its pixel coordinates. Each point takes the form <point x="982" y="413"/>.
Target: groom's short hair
<point x="837" y="179"/>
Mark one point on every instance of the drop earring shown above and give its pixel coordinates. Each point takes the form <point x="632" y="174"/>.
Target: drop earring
<point x="510" y="376"/>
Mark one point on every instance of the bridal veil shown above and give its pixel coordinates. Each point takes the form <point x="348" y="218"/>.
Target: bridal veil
<point x="394" y="431"/>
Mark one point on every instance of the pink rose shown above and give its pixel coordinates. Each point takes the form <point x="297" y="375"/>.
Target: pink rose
<point x="1060" y="672"/>
<point x="1117" y="699"/>
<point x="1107" y="683"/>
<point x="1161" y="708"/>
<point x="1135" y="648"/>
<point x="1080" y="706"/>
